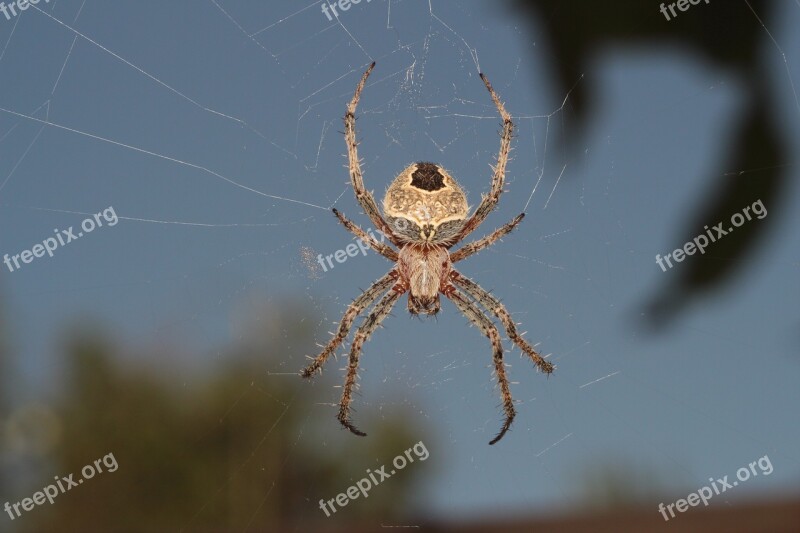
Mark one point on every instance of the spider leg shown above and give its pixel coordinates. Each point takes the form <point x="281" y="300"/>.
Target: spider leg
<point x="363" y="196"/>
<point x="491" y="303"/>
<point x="476" y="246"/>
<point x="353" y="310"/>
<point x="476" y="316"/>
<point x="489" y="201"/>
<point x="371" y="322"/>
<point x="383" y="249"/>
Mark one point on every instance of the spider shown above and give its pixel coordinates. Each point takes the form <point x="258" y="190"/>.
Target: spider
<point x="425" y="215"/>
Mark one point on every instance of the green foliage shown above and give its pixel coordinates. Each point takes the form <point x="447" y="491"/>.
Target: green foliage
<point x="232" y="450"/>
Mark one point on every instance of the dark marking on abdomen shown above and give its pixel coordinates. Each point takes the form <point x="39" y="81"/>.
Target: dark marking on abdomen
<point x="427" y="177"/>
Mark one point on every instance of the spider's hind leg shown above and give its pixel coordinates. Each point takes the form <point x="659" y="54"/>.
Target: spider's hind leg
<point x="353" y="310"/>
<point x="370" y="324"/>
<point x="492" y="304"/>
<point x="474" y="314"/>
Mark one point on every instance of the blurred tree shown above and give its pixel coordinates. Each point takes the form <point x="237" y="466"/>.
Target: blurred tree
<point x="233" y="450"/>
<point x="4" y="402"/>
<point x="617" y="483"/>
<point x="723" y="35"/>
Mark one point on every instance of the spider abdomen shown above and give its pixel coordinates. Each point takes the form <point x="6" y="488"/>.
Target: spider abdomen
<point x="424" y="270"/>
<point x="425" y="204"/>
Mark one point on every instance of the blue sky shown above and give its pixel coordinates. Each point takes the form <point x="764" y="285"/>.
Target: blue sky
<point x="213" y="131"/>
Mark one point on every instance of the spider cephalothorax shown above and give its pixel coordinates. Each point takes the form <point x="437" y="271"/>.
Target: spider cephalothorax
<point x="426" y="214"/>
<point x="424" y="270"/>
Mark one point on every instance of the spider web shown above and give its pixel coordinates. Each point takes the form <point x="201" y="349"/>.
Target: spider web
<point x="215" y="133"/>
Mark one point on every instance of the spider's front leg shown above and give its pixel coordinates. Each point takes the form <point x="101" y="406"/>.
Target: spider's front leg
<point x="383" y="249"/>
<point x="363" y="196"/>
<point x="489" y="201"/>
<point x="476" y="246"/>
<point x="371" y="322"/>
<point x="474" y="314"/>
